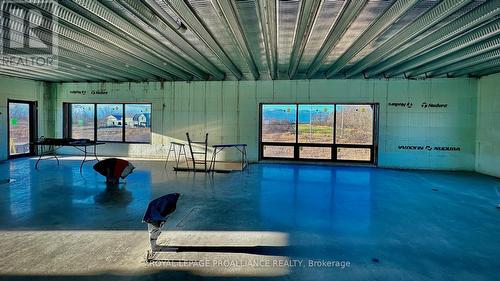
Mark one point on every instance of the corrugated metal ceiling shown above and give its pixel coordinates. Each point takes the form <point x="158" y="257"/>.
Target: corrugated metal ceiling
<point x="161" y="40"/>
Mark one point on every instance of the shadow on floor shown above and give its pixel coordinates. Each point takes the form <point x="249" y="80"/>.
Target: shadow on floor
<point x="158" y="275"/>
<point x="255" y="250"/>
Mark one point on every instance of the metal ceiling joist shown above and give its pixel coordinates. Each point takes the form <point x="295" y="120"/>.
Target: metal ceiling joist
<point x="228" y="15"/>
<point x="63" y="69"/>
<point x="307" y="17"/>
<point x="164" y="30"/>
<point x="161" y="69"/>
<point x="108" y="54"/>
<point x="136" y="36"/>
<point x="127" y="42"/>
<point x="380" y="25"/>
<point x="436" y="14"/>
<point x="350" y="10"/>
<point x="115" y="23"/>
<point x="465" y="65"/>
<point x="475" y="36"/>
<point x="76" y="57"/>
<point x="480" y="67"/>
<point x="490" y="69"/>
<point x="481" y="14"/>
<point x="457" y="57"/>
<point x="56" y="74"/>
<point x="194" y="24"/>
<point x="30" y="76"/>
<point x="266" y="11"/>
<point x="66" y="62"/>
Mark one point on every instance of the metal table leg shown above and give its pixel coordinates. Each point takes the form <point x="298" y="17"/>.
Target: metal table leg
<point x="39" y="157"/>
<point x="168" y="155"/>
<point x="84" y="158"/>
<point x="212" y="163"/>
<point x="185" y="156"/>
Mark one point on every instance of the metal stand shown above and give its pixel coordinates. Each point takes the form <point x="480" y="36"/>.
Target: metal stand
<point x="177" y="154"/>
<point x="242" y="148"/>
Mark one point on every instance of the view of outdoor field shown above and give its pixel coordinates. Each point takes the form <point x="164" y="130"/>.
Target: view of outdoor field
<point x="317" y="124"/>
<point x="82" y="121"/>
<point x="19" y="128"/>
<point x="110" y="123"/>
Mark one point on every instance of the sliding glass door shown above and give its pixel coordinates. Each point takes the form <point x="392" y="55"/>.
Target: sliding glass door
<point x="21" y="128"/>
<point x="319" y="132"/>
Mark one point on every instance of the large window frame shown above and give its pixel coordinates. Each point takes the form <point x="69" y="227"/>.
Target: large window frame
<point x="333" y="146"/>
<point x="67" y="120"/>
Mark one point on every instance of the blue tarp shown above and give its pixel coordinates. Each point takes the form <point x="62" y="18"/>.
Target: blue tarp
<point x="160" y="208"/>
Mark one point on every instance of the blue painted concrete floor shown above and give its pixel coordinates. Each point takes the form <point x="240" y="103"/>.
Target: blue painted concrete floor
<point x="279" y="222"/>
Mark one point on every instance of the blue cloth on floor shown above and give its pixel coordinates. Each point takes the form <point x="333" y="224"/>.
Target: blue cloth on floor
<point x="160" y="208"/>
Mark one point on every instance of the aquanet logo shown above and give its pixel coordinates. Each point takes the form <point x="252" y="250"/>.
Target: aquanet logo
<point x="28" y="34"/>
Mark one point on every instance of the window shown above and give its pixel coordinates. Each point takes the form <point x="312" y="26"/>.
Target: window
<point x="110" y="122"/>
<point x="316" y="123"/>
<point x="278" y="122"/>
<point x="138" y="123"/>
<point x="319" y="132"/>
<point x="82" y="121"/>
<point x="354" y="124"/>
<point x="116" y="122"/>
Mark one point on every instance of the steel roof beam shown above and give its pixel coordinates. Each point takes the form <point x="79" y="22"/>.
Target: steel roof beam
<point x="64" y="67"/>
<point x="150" y="20"/>
<point x="115" y="23"/>
<point x="228" y="15"/>
<point x="490" y="69"/>
<point x="120" y="43"/>
<point x="30" y="76"/>
<point x="466" y="64"/>
<point x="106" y="53"/>
<point x="475" y="36"/>
<point x="481" y="14"/>
<point x="307" y="17"/>
<point x="350" y="10"/>
<point x="380" y="25"/>
<point x="266" y="12"/>
<point x="17" y="74"/>
<point x="195" y="25"/>
<point x="457" y="57"/>
<point x="79" y="53"/>
<point x="430" y="18"/>
<point x="476" y="64"/>
<point x="163" y="70"/>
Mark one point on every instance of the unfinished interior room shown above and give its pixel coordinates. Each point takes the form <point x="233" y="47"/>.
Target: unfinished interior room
<point x="249" y="140"/>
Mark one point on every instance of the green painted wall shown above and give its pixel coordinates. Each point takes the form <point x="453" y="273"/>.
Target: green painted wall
<point x="228" y="111"/>
<point x="488" y="126"/>
<point x="28" y="90"/>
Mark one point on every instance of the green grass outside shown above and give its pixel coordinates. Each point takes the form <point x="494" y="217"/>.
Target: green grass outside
<point x="315" y="129"/>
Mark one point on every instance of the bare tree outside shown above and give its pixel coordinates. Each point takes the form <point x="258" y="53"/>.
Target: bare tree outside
<point x="19" y="128"/>
<point x="82" y="121"/>
<point x="317" y="124"/>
